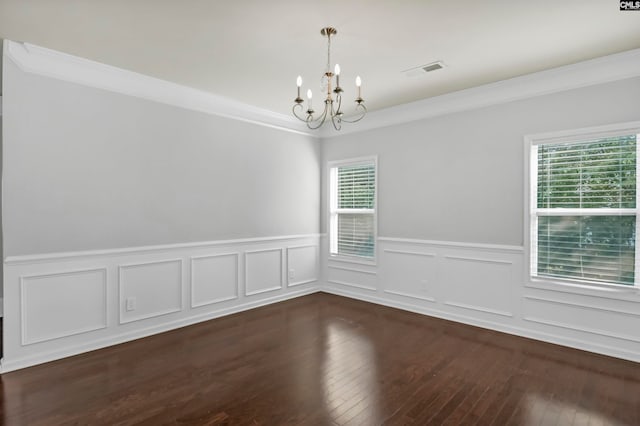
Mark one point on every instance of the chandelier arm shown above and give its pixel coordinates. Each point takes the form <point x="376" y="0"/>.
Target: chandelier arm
<point x="320" y="120"/>
<point x="363" y="112"/>
<point x="337" y="123"/>
<point x="335" y="119"/>
<point x="295" y="113"/>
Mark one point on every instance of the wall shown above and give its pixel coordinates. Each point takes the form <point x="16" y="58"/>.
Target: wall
<point x="91" y="169"/>
<point x="459" y="177"/>
<point x="1" y="237"/>
<point x="450" y="221"/>
<point x="125" y="217"/>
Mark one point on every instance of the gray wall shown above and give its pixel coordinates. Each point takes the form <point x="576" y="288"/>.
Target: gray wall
<point x="459" y="177"/>
<point x="1" y="237"/>
<point x="90" y="169"/>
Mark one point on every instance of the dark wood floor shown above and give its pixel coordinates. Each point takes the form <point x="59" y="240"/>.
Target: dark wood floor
<point x="324" y="360"/>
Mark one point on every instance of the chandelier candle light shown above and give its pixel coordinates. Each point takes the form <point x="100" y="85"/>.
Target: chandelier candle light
<point x="332" y="108"/>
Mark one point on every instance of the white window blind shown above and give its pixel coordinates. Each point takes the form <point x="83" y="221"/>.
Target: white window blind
<point x="352" y="209"/>
<point x="584" y="210"/>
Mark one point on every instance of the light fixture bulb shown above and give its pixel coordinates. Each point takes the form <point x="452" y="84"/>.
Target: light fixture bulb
<point x="337" y="69"/>
<point x="309" y="94"/>
<point x="299" y="81"/>
<point x="358" y="81"/>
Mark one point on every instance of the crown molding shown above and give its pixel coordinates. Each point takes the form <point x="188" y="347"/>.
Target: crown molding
<point x="605" y="69"/>
<point x="61" y="66"/>
<point x="50" y="63"/>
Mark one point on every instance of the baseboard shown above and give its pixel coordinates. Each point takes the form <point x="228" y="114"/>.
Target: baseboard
<point x="41" y="358"/>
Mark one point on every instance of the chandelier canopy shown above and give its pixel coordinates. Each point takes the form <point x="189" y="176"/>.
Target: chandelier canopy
<point x="332" y="107"/>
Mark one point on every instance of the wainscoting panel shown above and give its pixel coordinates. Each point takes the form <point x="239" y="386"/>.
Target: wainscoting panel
<point x="302" y="264"/>
<point x="154" y="287"/>
<point x="214" y="279"/>
<point x="478" y="283"/>
<point x="583" y="319"/>
<point x="263" y="271"/>
<point x="352" y="275"/>
<point x="485" y="285"/>
<point x="410" y="273"/>
<point x="63" y="304"/>
<point x="67" y="303"/>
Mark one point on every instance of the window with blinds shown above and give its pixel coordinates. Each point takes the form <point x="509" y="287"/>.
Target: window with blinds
<point x="584" y="210"/>
<point x="352" y="208"/>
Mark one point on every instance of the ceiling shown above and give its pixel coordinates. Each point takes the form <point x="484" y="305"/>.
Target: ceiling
<point x="253" y="50"/>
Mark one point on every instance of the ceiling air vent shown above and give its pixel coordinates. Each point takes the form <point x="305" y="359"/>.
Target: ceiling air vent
<point x="423" y="69"/>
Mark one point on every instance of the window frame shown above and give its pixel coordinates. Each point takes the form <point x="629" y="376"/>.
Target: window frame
<point x="332" y="210"/>
<point x="530" y="210"/>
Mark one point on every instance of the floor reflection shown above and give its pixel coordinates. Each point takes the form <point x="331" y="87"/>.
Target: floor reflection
<point x="545" y="409"/>
<point x="349" y="375"/>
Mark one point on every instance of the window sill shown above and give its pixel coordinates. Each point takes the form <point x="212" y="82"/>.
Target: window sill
<point x="358" y="261"/>
<point x="629" y="294"/>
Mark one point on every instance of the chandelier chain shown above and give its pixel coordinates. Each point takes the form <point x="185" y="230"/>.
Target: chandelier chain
<point x="328" y="52"/>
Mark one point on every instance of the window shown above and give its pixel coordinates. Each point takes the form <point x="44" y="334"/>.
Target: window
<point x="352" y="207"/>
<point x="583" y="207"/>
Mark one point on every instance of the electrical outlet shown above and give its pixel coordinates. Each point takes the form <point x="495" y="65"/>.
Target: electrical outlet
<point x="130" y="304"/>
<point x="292" y="274"/>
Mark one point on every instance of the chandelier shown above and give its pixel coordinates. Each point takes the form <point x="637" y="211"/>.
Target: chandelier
<point x="332" y="107"/>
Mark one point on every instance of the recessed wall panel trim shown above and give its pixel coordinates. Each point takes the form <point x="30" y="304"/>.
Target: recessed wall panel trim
<point x="358" y="270"/>
<point x="479" y="309"/>
<point x="478" y="259"/>
<point x="263" y="271"/>
<point x="409" y="252"/>
<point x="354" y="285"/>
<point x="410" y="295"/>
<point x="152" y="287"/>
<point x="216" y="278"/>
<point x="581" y="329"/>
<point x="583" y="305"/>
<point x="296" y="260"/>
<point x="48" y="313"/>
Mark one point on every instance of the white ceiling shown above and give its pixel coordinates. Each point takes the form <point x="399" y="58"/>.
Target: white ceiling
<point x="253" y="50"/>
